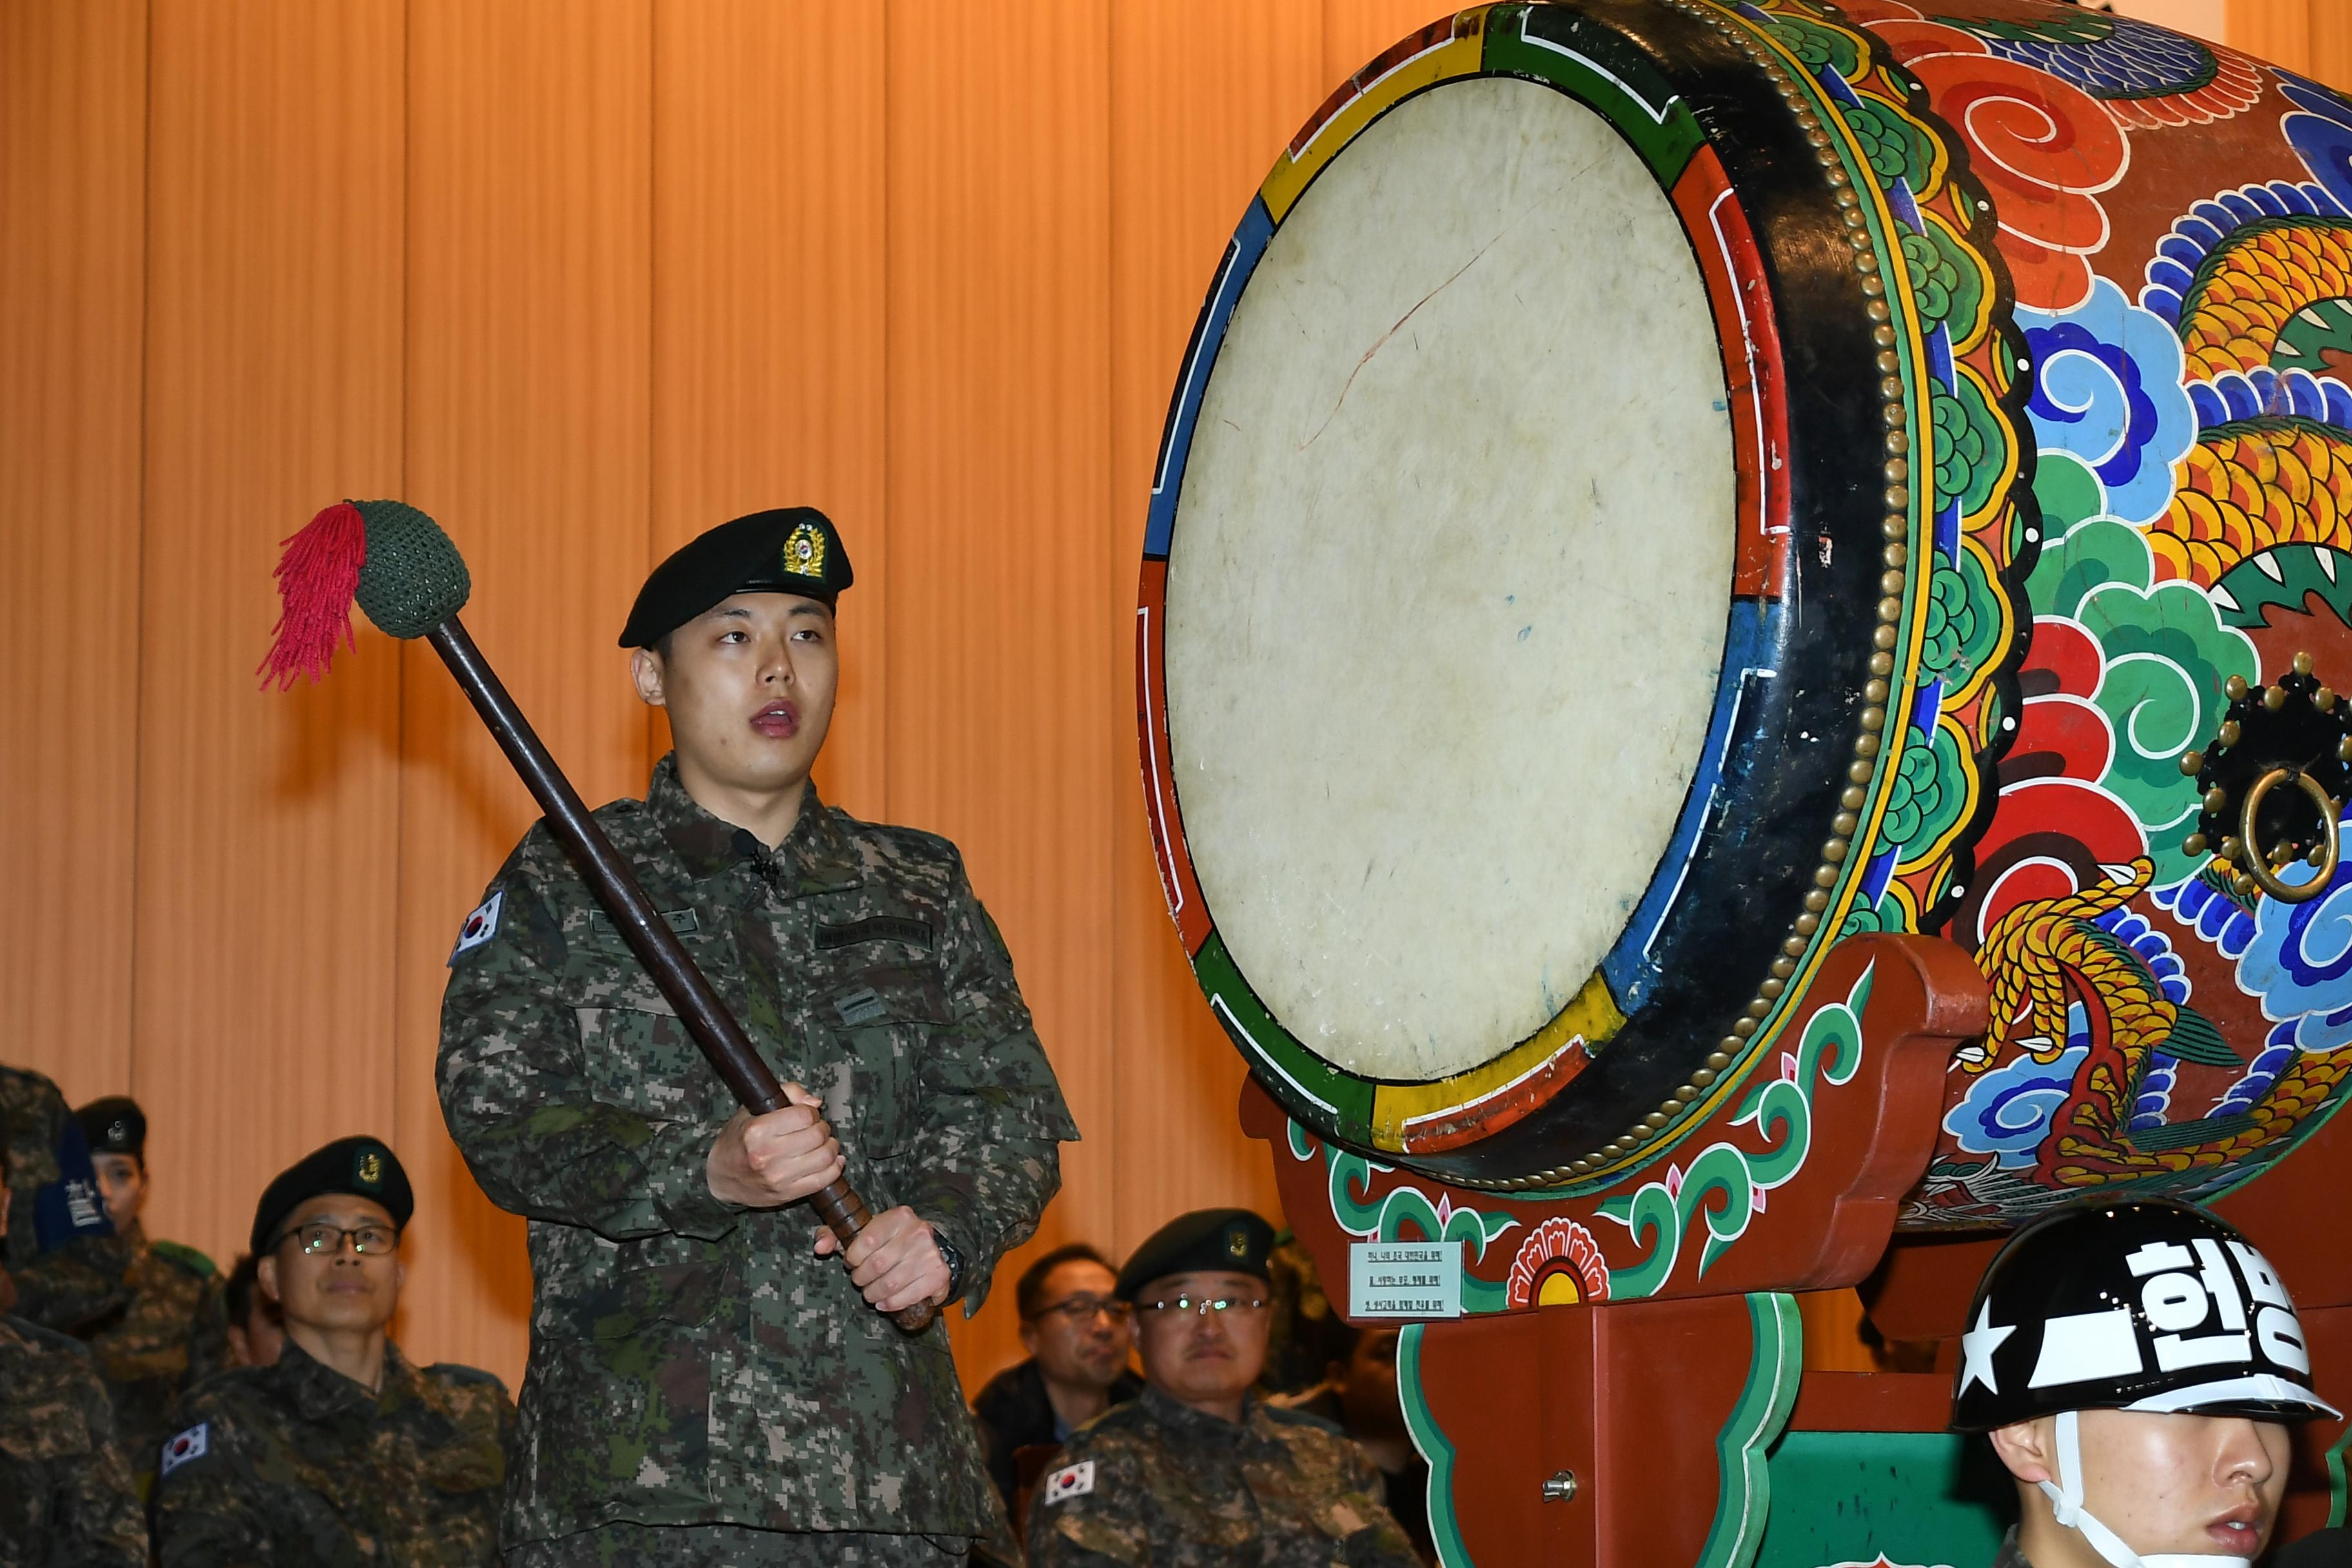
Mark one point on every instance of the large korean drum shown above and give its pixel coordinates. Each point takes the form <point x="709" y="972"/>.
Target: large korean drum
<point x="1659" y="486"/>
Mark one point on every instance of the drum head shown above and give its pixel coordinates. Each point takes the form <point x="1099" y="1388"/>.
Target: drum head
<point x="1518" y="651"/>
<point x="1467" y="541"/>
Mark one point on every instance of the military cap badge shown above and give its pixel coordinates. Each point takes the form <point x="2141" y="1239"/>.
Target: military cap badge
<point x="370" y="1172"/>
<point x="1236" y="1243"/>
<point x="804" y="552"/>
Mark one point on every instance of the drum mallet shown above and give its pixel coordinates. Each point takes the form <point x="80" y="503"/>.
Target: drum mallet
<point x="398" y="567"/>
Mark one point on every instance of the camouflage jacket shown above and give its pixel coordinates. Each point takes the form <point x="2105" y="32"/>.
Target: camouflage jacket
<point x="692" y="1363"/>
<point x="66" y="1499"/>
<point x="82" y="1282"/>
<point x="1155" y="1482"/>
<point x="173" y="1334"/>
<point x="296" y="1464"/>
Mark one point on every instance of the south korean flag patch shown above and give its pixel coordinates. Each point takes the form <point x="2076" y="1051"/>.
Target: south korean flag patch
<point x="191" y="1443"/>
<point x="479" y="926"/>
<point x="1069" y="1481"/>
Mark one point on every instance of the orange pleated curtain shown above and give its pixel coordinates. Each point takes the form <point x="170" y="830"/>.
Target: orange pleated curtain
<point x="581" y="277"/>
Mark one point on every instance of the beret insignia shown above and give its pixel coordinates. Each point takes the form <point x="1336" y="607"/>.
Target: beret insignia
<point x="371" y="1169"/>
<point x="804" y="552"/>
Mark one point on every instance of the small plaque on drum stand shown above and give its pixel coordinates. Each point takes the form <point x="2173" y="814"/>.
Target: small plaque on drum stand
<point x="1404" y="1279"/>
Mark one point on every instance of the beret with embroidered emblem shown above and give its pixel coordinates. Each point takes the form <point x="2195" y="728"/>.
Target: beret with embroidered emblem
<point x="788" y="550"/>
<point x="115" y="1125"/>
<point x="354" y="1167"/>
<point x="1206" y="1241"/>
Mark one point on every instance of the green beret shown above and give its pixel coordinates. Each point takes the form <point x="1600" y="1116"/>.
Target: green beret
<point x="353" y="1167"/>
<point x="1206" y="1241"/>
<point x="791" y="549"/>
<point x="115" y="1125"/>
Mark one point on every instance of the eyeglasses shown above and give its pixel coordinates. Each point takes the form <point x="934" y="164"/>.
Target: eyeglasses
<point x="1204" y="1305"/>
<point x="367" y="1240"/>
<point x="1080" y="1311"/>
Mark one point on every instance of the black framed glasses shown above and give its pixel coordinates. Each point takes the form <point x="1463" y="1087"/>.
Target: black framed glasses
<point x="1204" y="1305"/>
<point x="367" y="1240"/>
<point x="1079" y="1310"/>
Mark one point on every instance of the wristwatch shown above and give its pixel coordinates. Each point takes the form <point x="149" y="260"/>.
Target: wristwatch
<point x="953" y="1259"/>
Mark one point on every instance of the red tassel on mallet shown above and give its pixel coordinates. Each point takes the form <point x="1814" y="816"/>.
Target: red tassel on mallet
<point x="317" y="576"/>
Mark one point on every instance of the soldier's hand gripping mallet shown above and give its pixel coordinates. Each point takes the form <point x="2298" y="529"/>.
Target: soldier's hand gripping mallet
<point x="400" y="568"/>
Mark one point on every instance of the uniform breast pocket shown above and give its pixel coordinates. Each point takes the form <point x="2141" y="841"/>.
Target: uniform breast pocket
<point x="886" y="1019"/>
<point x="640" y="1055"/>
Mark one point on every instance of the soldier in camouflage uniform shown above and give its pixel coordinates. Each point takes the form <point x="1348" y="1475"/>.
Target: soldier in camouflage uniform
<point x="66" y="1498"/>
<point x="174" y="1330"/>
<point x="343" y="1453"/>
<point x="708" y="1383"/>
<point x="1198" y="1472"/>
<point x="61" y="1264"/>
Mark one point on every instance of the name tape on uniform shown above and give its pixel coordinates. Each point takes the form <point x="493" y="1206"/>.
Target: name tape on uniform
<point x="1404" y="1279"/>
<point x="1069" y="1481"/>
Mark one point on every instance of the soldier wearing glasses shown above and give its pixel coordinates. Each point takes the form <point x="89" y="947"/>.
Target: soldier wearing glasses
<point x="1198" y="1470"/>
<point x="1076" y="1329"/>
<point x="342" y="1452"/>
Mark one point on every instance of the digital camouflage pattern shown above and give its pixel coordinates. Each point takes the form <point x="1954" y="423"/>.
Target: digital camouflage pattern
<point x="696" y="1364"/>
<point x="730" y="1545"/>
<point x="171" y="1333"/>
<point x="78" y="1284"/>
<point x="66" y="1498"/>
<point x="1175" y="1488"/>
<point x="296" y="1464"/>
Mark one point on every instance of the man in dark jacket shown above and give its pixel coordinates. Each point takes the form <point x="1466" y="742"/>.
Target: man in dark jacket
<point x="1077" y="1333"/>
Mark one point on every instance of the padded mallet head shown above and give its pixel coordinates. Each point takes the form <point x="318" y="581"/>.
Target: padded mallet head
<point x="388" y="556"/>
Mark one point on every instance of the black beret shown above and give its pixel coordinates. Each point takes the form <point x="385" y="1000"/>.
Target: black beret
<point x="356" y="1167"/>
<point x="1206" y="1241"/>
<point x="115" y="1125"/>
<point x="791" y="549"/>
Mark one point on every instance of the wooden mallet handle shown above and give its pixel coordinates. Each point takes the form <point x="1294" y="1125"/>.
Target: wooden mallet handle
<point x="610" y="877"/>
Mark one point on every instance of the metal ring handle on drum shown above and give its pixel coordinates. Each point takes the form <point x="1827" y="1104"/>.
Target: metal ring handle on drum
<point x="2268" y="880"/>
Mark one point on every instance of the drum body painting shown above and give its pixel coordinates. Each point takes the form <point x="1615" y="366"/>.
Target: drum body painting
<point x="1659" y="488"/>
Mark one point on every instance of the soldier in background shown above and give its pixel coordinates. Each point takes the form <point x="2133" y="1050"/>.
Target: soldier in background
<point x="61" y="1264"/>
<point x="1359" y="1395"/>
<point x="65" y="1495"/>
<point x="256" y="1331"/>
<point x="708" y="1383"/>
<point x="342" y="1452"/>
<point x="1200" y="1472"/>
<point x="172" y="1330"/>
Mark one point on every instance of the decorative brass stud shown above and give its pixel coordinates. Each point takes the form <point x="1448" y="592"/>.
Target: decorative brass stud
<point x="2275" y="698"/>
<point x="1882" y="664"/>
<point x="2193" y="845"/>
<point x="2231" y="846"/>
<point x="2229" y="731"/>
<point x="2192" y="762"/>
<point x="1898" y="441"/>
<point x="2217" y="798"/>
<point x="1865" y="746"/>
<point x="1825" y="876"/>
<point x="1897" y="554"/>
<point x="1721" y="1057"/>
<point x="2324" y="700"/>
<point x="1860" y="773"/>
<point x="1815" y="902"/>
<point x="1843" y="824"/>
<point x="1743" y="1027"/>
<point x="2344" y="750"/>
<point x="1852" y="797"/>
<point x="1794" y="947"/>
<point x="1883" y="336"/>
<point x="1771" y="989"/>
<point x="1876" y="311"/>
<point x="2303" y="664"/>
<point x="1811" y="921"/>
<point x="2234" y="689"/>
<point x="1894" y="525"/>
<point x="1782" y="968"/>
<point x="1897" y="470"/>
<point x="1703" y="1077"/>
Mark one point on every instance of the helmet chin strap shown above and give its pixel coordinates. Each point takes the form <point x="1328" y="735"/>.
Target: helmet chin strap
<point x="2066" y="1503"/>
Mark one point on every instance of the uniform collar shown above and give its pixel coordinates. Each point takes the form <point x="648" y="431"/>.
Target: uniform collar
<point x="319" y="1390"/>
<point x="816" y="857"/>
<point x="1193" y="1425"/>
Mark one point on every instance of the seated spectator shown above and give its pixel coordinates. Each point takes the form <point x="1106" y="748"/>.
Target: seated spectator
<point x="1076" y="1329"/>
<point x="1359" y="1395"/>
<point x="65" y="1490"/>
<point x="1197" y="1470"/>
<point x="172" y="1332"/>
<point x="342" y="1451"/>
<point x="2135" y="1365"/>
<point x="256" y="1332"/>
